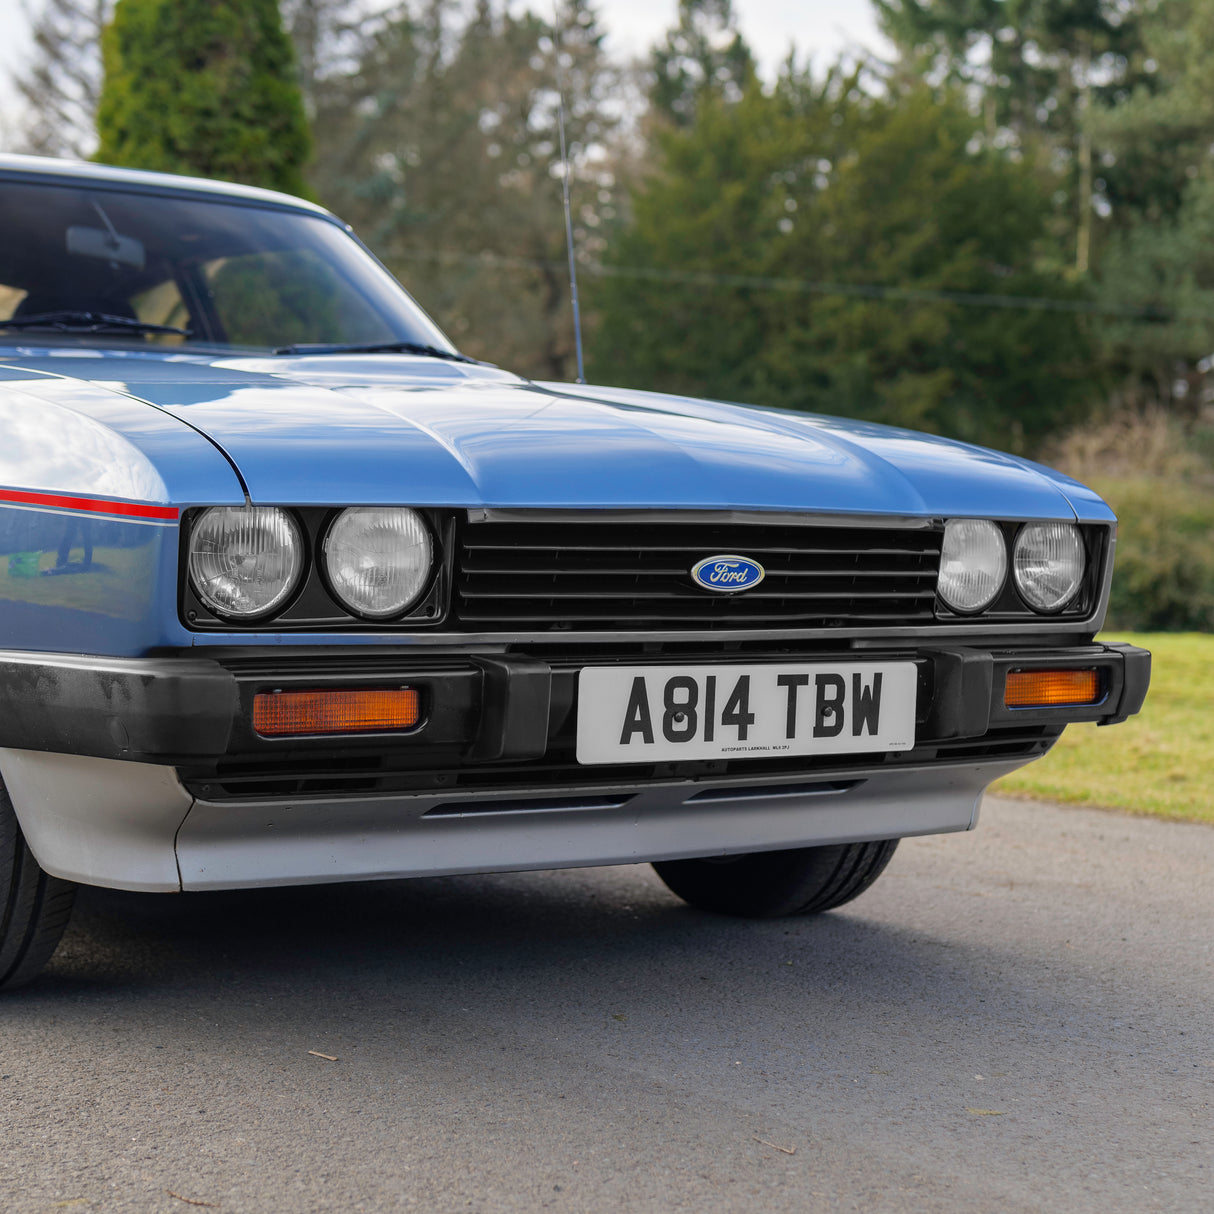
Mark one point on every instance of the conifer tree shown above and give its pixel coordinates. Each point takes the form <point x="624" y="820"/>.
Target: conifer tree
<point x="1041" y="69"/>
<point x="206" y="87"/>
<point x="704" y="54"/>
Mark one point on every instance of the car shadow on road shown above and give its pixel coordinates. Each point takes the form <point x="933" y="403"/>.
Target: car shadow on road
<point x="606" y="936"/>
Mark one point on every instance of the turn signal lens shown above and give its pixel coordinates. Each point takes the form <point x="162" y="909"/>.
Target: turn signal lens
<point x="278" y="714"/>
<point x="1051" y="688"/>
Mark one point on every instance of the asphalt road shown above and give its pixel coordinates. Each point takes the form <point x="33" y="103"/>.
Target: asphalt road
<point x="1017" y="1019"/>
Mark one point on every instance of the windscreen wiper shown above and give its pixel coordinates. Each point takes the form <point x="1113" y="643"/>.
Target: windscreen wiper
<point x="87" y="322"/>
<point x="379" y="347"/>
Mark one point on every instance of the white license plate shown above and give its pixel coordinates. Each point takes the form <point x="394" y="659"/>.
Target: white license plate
<point x="633" y="714"/>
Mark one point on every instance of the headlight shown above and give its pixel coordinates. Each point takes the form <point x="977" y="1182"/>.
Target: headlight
<point x="1048" y="564"/>
<point x="245" y="561"/>
<point x="378" y="559"/>
<point x="973" y="564"/>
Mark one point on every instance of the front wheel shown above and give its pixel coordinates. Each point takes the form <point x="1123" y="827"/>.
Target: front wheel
<point x="773" y="884"/>
<point x="34" y="906"/>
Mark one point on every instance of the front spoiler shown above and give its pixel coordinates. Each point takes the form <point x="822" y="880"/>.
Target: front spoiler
<point x="133" y="826"/>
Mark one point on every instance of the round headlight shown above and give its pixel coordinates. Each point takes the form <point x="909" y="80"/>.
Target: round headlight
<point x="245" y="561"/>
<point x="1048" y="564"/>
<point x="973" y="564"/>
<point x="378" y="559"/>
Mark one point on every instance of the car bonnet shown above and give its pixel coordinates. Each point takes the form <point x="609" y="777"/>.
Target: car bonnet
<point x="399" y="429"/>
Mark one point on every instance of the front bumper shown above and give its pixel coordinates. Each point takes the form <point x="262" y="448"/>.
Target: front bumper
<point x="147" y="774"/>
<point x="186" y="711"/>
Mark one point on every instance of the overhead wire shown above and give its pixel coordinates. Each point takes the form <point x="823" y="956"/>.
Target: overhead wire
<point x="1150" y="313"/>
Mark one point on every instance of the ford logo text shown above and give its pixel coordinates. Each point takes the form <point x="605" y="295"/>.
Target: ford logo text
<point x="727" y="574"/>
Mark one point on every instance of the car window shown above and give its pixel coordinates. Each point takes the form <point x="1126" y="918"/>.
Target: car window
<point x="231" y="275"/>
<point x="162" y="304"/>
<point x="10" y="297"/>
<point x="286" y="297"/>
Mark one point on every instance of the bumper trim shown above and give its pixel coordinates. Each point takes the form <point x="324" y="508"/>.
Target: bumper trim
<point x="154" y="710"/>
<point x="188" y="711"/>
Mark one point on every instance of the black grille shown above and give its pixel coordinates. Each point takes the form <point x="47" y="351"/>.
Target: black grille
<point x="596" y="573"/>
<point x="254" y="776"/>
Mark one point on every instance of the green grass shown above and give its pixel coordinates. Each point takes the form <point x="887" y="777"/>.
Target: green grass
<point x="1160" y="762"/>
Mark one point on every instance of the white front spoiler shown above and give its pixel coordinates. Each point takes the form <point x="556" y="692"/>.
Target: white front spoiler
<point x="133" y="826"/>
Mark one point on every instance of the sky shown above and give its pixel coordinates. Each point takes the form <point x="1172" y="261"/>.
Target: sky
<point x="820" y="28"/>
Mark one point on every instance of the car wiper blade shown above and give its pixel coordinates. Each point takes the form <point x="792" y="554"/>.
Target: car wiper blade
<point x="379" y="347"/>
<point x="87" y="322"/>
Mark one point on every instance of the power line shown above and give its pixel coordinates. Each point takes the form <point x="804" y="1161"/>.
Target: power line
<point x="1151" y="313"/>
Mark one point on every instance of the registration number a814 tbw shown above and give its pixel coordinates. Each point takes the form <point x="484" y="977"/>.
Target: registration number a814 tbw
<point x="630" y="714"/>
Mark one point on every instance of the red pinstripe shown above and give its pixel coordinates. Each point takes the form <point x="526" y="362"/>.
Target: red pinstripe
<point x="93" y="505"/>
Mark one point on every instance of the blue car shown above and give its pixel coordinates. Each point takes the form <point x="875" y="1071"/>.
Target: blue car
<point x="292" y="591"/>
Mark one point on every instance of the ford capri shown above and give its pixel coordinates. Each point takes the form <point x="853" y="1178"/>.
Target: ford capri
<point x="291" y="591"/>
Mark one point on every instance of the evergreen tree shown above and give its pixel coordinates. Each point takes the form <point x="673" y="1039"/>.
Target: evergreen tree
<point x="757" y="263"/>
<point x="1040" y="69"/>
<point x="1162" y="256"/>
<point x="205" y="87"/>
<point x="703" y="55"/>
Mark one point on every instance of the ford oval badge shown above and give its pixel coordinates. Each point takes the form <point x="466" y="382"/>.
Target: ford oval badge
<point x="728" y="574"/>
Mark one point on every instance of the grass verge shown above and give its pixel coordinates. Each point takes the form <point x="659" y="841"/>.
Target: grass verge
<point x="1160" y="762"/>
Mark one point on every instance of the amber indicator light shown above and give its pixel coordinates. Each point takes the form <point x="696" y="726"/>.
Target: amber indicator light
<point x="279" y="714"/>
<point x="1051" y="688"/>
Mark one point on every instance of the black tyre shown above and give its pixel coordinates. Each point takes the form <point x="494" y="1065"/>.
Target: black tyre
<point x="772" y="884"/>
<point x="34" y="907"/>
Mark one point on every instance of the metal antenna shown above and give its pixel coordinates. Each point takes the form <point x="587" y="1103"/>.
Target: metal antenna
<point x="565" y="174"/>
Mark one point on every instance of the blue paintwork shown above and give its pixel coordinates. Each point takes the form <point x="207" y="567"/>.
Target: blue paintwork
<point x="306" y="431"/>
<point x="65" y="435"/>
<point x="728" y="573"/>
<point x="178" y="428"/>
<point x="114" y="604"/>
<point x="188" y="430"/>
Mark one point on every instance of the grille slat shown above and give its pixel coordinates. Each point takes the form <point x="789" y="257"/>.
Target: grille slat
<point x="631" y="549"/>
<point x="654" y="593"/>
<point x="632" y="574"/>
<point x="256" y="777"/>
<point x="571" y="572"/>
<point x="654" y="618"/>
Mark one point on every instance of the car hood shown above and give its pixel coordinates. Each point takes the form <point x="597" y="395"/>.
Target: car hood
<point x="393" y="429"/>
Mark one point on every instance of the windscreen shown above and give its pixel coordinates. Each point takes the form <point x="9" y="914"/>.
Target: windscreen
<point x="215" y="274"/>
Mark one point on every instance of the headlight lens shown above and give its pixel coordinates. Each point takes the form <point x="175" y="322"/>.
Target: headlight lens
<point x="378" y="559"/>
<point x="245" y="561"/>
<point x="1048" y="564"/>
<point x="973" y="564"/>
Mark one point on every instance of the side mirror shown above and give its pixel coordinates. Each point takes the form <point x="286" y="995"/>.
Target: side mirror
<point x="106" y="246"/>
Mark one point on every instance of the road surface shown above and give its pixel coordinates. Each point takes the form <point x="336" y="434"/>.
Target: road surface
<point x="1017" y="1019"/>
